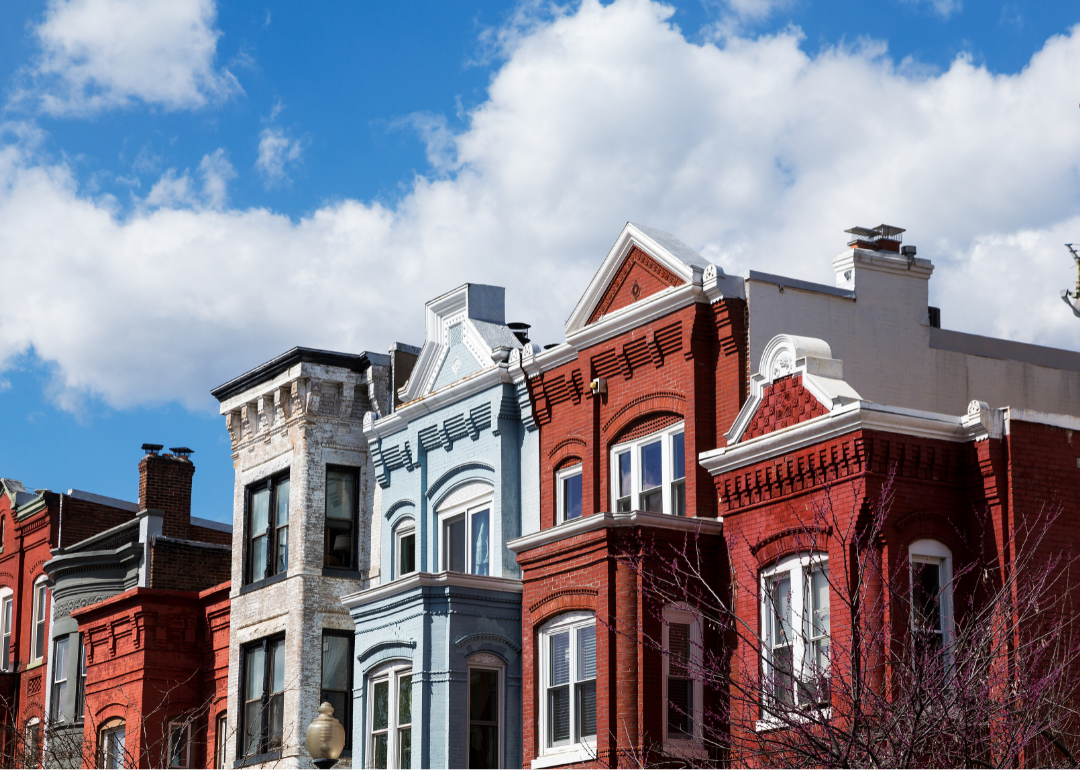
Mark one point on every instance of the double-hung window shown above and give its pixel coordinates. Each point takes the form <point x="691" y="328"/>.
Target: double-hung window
<point x="390" y="717"/>
<point x="682" y="682"/>
<point x="649" y="474"/>
<point x="404" y="548"/>
<point x="5" y="630"/>
<point x="38" y="644"/>
<point x="485" y="712"/>
<point x="795" y="631"/>
<point x="337" y="677"/>
<point x="80" y="682"/>
<point x="180" y="744"/>
<point x="263" y="690"/>
<point x="342" y="487"/>
<point x="568" y="492"/>
<point x="111" y="745"/>
<point x="268" y="528"/>
<point x="568" y="674"/>
<point x="221" y="731"/>
<point x="931" y="594"/>
<point x="60" y="678"/>
<point x="466" y="538"/>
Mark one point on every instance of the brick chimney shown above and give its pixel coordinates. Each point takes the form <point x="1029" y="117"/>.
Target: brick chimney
<point x="165" y="485"/>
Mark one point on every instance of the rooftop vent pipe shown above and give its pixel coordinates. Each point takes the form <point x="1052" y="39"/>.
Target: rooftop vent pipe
<point x="521" y="331"/>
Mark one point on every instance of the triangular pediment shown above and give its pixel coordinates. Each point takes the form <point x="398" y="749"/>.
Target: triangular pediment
<point x="643" y="263"/>
<point x="783" y="403"/>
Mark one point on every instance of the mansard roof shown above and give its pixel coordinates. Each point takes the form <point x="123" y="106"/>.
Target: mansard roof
<point x="18" y="494"/>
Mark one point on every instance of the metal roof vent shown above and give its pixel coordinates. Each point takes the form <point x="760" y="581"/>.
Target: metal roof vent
<point x="520" y="330"/>
<point x="880" y="238"/>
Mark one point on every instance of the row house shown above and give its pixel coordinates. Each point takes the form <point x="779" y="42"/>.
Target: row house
<point x="437" y="646"/>
<point x="138" y="631"/>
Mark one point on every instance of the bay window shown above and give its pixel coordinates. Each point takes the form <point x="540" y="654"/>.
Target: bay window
<point x="466" y="538"/>
<point x="568" y="493"/>
<point x="795" y="631"/>
<point x="390" y="718"/>
<point x="568" y="677"/>
<point x="268" y="528"/>
<point x="342" y="510"/>
<point x="649" y="474"/>
<point x="262" y="688"/>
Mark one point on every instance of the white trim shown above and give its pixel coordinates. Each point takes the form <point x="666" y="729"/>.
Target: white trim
<point x="1067" y="421"/>
<point x="691" y="746"/>
<point x="560" y="502"/>
<point x="570" y="622"/>
<point x="186" y="727"/>
<point x="613" y="520"/>
<point x="466" y="509"/>
<point x="392" y="673"/>
<point x="665" y="437"/>
<point x="500" y="688"/>
<point x="7" y="596"/>
<point x="406" y="526"/>
<point x="40" y="582"/>
<point x="416" y="580"/>
<point x="664" y="302"/>
<point x="927" y="551"/>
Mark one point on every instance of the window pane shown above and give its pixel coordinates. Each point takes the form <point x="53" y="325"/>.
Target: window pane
<point x="481" y="536"/>
<point x="258" y="558"/>
<point x="819" y="598"/>
<point x="339" y="495"/>
<point x="380" y="708"/>
<point x="781" y="606"/>
<point x="5" y="653"/>
<point x="927" y="588"/>
<point x="680" y="707"/>
<point x="572" y="497"/>
<point x="378" y="749"/>
<point x="277" y="663"/>
<point x="455" y="544"/>
<point x="678" y="498"/>
<point x="678" y="456"/>
<point x="58" y="694"/>
<point x="39" y="631"/>
<point x="483" y="746"/>
<point x="177" y="747"/>
<point x="586" y="661"/>
<point x="558" y="715"/>
<point x="253" y="676"/>
<point x="782" y="676"/>
<point x="253" y="726"/>
<point x="282" y="561"/>
<point x="281" y="503"/>
<point x="337" y="700"/>
<point x="407" y="557"/>
<point x="624" y="474"/>
<point x="652" y="465"/>
<point x="405" y="699"/>
<point x="679" y="649"/>
<point x="339" y="543"/>
<point x="405" y="747"/>
<point x="560" y="658"/>
<point x="483" y="696"/>
<point x="335" y="662"/>
<point x="276" y="721"/>
<point x="586" y="709"/>
<point x="60" y="660"/>
<point x="260" y="512"/>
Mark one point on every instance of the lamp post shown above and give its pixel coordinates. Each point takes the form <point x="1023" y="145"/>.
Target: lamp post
<point x="325" y="738"/>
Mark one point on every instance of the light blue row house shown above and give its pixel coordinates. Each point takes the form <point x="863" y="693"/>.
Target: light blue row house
<point x="437" y="676"/>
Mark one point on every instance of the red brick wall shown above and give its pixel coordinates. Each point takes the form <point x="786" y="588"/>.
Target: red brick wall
<point x="183" y="565"/>
<point x="165" y="485"/>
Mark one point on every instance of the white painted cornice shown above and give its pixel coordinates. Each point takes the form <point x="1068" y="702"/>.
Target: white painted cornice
<point x="611" y="521"/>
<point x="436" y="400"/>
<point x="1066" y="421"/>
<point x="430" y="580"/>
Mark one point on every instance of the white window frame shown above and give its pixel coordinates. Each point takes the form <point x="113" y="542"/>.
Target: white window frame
<point x="109" y="748"/>
<point x="405" y="527"/>
<point x="60" y="670"/>
<point x="39" y="627"/>
<point x="675" y="744"/>
<point x="221" y="733"/>
<point x="934" y="552"/>
<point x="185" y="728"/>
<point x="467" y="509"/>
<point x="32" y="724"/>
<point x="572" y="751"/>
<point x="7" y="621"/>
<point x="560" y="494"/>
<point x="798" y="567"/>
<point x="392" y="674"/>
<point x="488" y="662"/>
<point x="667" y="467"/>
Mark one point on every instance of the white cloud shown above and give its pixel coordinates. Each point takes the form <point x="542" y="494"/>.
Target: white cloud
<point x="277" y="152"/>
<point x="754" y="153"/>
<point x="176" y="191"/>
<point x="943" y="8"/>
<point x="103" y="54"/>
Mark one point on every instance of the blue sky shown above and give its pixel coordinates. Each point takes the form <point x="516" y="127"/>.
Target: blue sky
<point x="188" y="190"/>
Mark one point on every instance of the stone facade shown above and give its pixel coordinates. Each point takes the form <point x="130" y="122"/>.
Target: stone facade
<point x="463" y="444"/>
<point x="292" y="418"/>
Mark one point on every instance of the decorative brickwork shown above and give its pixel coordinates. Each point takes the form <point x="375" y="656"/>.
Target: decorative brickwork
<point x="784" y="403"/>
<point x="638" y="277"/>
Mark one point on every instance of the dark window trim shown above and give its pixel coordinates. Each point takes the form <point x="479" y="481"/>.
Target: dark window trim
<point x="355" y="473"/>
<point x="270" y="482"/>
<point x="269" y="581"/>
<point x="241" y="733"/>
<point x="344" y="574"/>
<point x="351" y="636"/>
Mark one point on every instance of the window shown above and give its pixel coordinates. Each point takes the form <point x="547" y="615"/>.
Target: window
<point x="180" y="744"/>
<point x="568" y="673"/>
<point x="390" y="740"/>
<point x="80" y="683"/>
<point x="466" y="536"/>
<point x="649" y="474"/>
<point x="337" y="677"/>
<point x="112" y="745"/>
<point x="485" y="713"/>
<point x="3" y="530"/>
<point x="341" y="510"/>
<point x="60" y="675"/>
<point x="405" y="548"/>
<point x="931" y="594"/>
<point x="795" y="619"/>
<point x="268" y="528"/>
<point x="263" y="688"/>
<point x="32" y="746"/>
<point x="682" y="690"/>
<point x="5" y="628"/>
<point x="38" y="644"/>
<point x="221" y="731"/>
<point x="568" y="483"/>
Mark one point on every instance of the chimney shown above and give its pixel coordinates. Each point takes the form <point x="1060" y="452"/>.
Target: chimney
<point x="165" y="485"/>
<point x="880" y="238"/>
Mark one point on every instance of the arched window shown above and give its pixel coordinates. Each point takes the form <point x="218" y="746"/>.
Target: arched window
<point x="486" y="710"/>
<point x="795" y="630"/>
<point x="111" y="744"/>
<point x="404" y="555"/>
<point x="7" y="620"/>
<point x="3" y="531"/>
<point x="37" y="641"/>
<point x="567" y="647"/>
<point x="465" y="521"/>
<point x="931" y="593"/>
<point x="390" y="716"/>
<point x="649" y="473"/>
<point x="32" y="743"/>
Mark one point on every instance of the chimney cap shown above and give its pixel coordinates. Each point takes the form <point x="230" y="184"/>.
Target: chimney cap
<point x="152" y="448"/>
<point x="181" y="450"/>
<point x="876" y="234"/>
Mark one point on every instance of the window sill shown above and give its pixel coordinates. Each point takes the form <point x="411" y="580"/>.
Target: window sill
<point x="34" y="664"/>
<point x="258" y="759"/>
<point x="346" y="574"/>
<point x="688" y="749"/>
<point x="769" y="724"/>
<point x="263" y="583"/>
<point x="581" y="752"/>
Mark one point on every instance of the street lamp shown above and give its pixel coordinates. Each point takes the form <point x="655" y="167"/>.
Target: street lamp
<point x="325" y="738"/>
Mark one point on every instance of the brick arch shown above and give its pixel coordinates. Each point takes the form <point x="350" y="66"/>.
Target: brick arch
<point x="559" y="602"/>
<point x="788" y="542"/>
<point x="660" y="401"/>
<point x="572" y="447"/>
<point x="927" y="525"/>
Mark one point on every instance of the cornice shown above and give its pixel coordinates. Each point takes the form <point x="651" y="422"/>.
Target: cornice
<point x="439" y="399"/>
<point x="431" y="580"/>
<point x="613" y="521"/>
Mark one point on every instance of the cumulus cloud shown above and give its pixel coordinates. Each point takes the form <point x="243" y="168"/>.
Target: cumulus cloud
<point x="754" y="152"/>
<point x="943" y="8"/>
<point x="277" y="152"/>
<point x="103" y="54"/>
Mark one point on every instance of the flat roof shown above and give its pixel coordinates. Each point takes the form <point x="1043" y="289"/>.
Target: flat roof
<point x="275" y="366"/>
